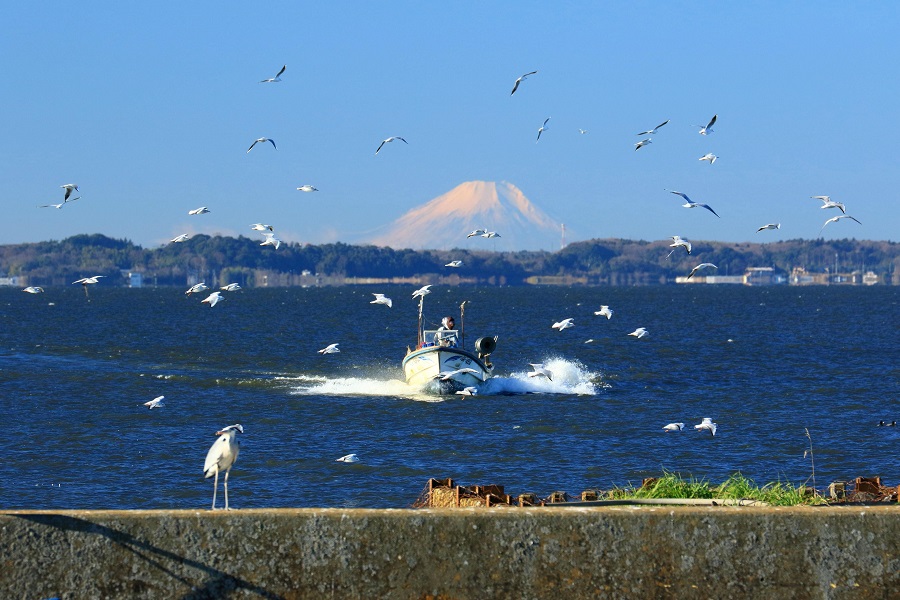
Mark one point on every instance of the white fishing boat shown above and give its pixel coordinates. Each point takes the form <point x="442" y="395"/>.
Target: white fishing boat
<point x="440" y="362"/>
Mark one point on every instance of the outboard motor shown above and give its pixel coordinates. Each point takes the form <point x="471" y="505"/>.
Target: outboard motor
<point x="484" y="346"/>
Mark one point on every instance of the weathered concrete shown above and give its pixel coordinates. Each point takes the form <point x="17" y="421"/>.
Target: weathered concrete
<point x="521" y="553"/>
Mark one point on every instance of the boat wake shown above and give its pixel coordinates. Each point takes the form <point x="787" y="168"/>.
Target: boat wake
<point x="569" y="377"/>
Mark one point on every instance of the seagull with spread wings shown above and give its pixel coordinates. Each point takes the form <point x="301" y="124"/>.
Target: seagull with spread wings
<point x="520" y="80"/>
<point x="701" y="266"/>
<point x="708" y="128"/>
<point x="388" y="141"/>
<point x="838" y="218"/>
<point x="691" y="204"/>
<point x="542" y="129"/>
<point x="261" y="140"/>
<point x="275" y="79"/>
<point x="653" y="131"/>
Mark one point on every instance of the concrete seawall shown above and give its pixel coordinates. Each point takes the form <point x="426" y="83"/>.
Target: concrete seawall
<point x="521" y="553"/>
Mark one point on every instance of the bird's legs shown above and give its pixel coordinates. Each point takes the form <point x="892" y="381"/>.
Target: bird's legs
<point x="215" y="489"/>
<point x="226" y="489"/>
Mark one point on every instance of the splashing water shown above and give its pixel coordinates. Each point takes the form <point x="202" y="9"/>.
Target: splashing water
<point x="569" y="377"/>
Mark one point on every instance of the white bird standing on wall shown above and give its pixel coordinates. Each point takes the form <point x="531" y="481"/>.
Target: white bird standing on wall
<point x="221" y="457"/>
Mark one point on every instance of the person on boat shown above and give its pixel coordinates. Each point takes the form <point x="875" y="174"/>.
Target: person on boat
<point x="441" y="338"/>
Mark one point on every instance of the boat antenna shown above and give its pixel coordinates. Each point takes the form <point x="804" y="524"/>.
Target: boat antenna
<point x="420" y="340"/>
<point x="462" y="322"/>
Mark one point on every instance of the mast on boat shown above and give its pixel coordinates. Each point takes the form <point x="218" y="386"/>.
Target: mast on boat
<point x="420" y="341"/>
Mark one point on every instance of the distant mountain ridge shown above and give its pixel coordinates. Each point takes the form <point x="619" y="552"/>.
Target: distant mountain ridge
<point x="444" y="222"/>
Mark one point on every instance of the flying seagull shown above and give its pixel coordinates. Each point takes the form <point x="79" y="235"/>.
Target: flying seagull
<point x="542" y="129"/>
<point x="769" y="226"/>
<point x="231" y="287"/>
<point x="709" y="156"/>
<point x="180" y="238"/>
<point x="564" y="324"/>
<point x="307" y="188"/>
<point x="701" y="266"/>
<point x="653" y="131"/>
<point x="642" y="143"/>
<point x="604" y="311"/>
<point x="708" y="128"/>
<point x="692" y="204"/>
<point x="540" y="371"/>
<point x="422" y="291"/>
<point x="34" y="289"/>
<point x="467" y="391"/>
<point x="261" y="227"/>
<point x="679" y="242"/>
<point x="490" y="234"/>
<point x="476" y="232"/>
<point x="838" y="218"/>
<point x="582" y="131"/>
<point x="448" y="375"/>
<point x="61" y="204"/>
<point x="389" y="140"/>
<point x="827" y="202"/>
<point x="520" y="80"/>
<point x="155" y="403"/>
<point x="263" y="140"/>
<point x="639" y="332"/>
<point x="221" y="457"/>
<point x="329" y="349"/>
<point x="708" y="425"/>
<point x="454" y="263"/>
<point x="673" y="427"/>
<point x="349" y="458"/>
<point x="381" y="299"/>
<point x="69" y="187"/>
<point x="86" y="280"/>
<point x="196" y="288"/>
<point x="271" y="240"/>
<point x="275" y="79"/>
<point x="213" y="299"/>
<point x="199" y="211"/>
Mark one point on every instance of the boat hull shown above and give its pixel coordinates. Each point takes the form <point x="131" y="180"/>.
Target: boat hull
<point x="422" y="368"/>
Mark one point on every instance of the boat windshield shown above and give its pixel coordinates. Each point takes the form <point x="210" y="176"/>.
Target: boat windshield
<point x="441" y="337"/>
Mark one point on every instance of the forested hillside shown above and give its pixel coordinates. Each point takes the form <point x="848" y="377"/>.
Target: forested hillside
<point x="599" y="261"/>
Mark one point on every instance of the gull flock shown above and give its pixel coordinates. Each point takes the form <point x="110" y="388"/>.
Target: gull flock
<point x="224" y="452"/>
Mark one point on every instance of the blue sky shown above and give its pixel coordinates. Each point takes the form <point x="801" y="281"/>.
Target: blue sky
<point x="150" y="108"/>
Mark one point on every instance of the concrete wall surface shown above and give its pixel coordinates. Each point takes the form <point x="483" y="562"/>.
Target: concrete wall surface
<point x="477" y="553"/>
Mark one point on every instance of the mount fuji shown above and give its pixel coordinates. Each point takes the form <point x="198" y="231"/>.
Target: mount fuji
<point x="444" y="222"/>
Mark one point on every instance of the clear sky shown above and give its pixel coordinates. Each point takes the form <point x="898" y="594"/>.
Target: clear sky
<point x="150" y="108"/>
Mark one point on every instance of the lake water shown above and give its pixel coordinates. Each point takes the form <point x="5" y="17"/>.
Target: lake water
<point x="765" y="363"/>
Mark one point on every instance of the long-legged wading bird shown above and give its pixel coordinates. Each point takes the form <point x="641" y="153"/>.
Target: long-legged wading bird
<point x="221" y="457"/>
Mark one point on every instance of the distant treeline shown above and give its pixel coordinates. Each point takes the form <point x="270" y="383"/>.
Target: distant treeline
<point x="598" y="261"/>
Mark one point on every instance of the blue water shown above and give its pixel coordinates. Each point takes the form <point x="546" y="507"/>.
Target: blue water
<point x="765" y="363"/>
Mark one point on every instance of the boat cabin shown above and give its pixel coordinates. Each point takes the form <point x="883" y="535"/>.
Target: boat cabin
<point x="447" y="338"/>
